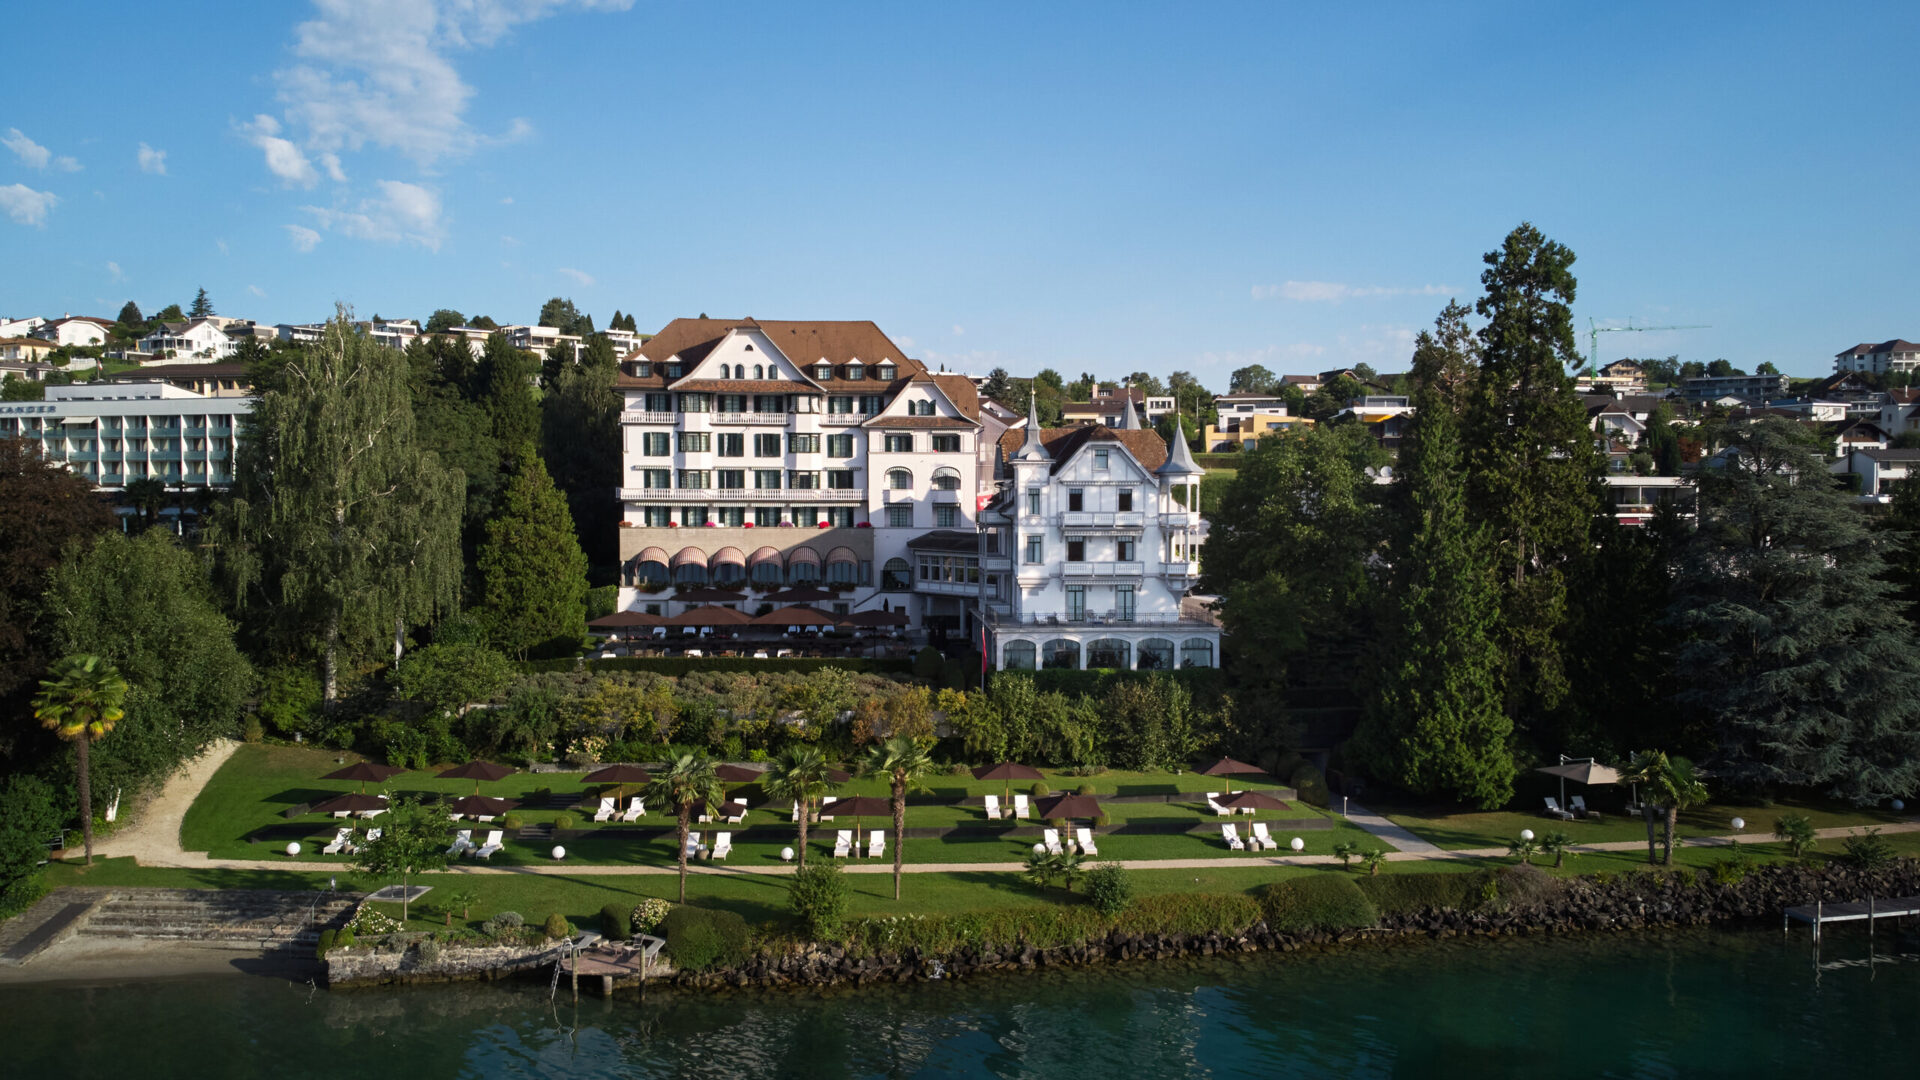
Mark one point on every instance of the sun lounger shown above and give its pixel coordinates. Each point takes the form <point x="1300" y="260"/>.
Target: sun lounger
<point x="1051" y="838"/>
<point x="605" y="813"/>
<point x="1218" y="810"/>
<point x="1232" y="836"/>
<point x="1020" y="807"/>
<point x="842" y="843"/>
<point x="341" y="842"/>
<point x="375" y="834"/>
<point x="1578" y="804"/>
<point x="635" y="807"/>
<point x="1260" y="840"/>
<point x="993" y="808"/>
<point x="722" y="846"/>
<point x="343" y="813"/>
<point x="1085" y="837"/>
<point x="693" y="845"/>
<point x="462" y="842"/>
<point x="796" y="809"/>
<point x="493" y="844"/>
<point x="736" y="811"/>
<point x="826" y="803"/>
<point x="876" y="843"/>
<point x="1553" y="810"/>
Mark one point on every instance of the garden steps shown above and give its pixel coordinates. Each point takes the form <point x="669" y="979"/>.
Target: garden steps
<point x="241" y="919"/>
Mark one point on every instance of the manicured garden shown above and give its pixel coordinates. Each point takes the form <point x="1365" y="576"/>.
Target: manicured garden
<point x="1457" y="830"/>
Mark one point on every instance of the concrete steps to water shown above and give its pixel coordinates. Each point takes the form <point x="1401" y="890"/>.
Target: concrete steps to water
<point x="236" y="919"/>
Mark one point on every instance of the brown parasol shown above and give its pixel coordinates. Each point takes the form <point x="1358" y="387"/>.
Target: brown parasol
<point x="477" y="771"/>
<point x="1226" y="766"/>
<point x="365" y="771"/>
<point x="1008" y="772"/>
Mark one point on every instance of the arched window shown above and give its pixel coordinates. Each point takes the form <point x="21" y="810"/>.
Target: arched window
<point x="803" y="573"/>
<point x="841" y="573"/>
<point x="1156" y="654"/>
<point x="651" y="572"/>
<point x="759" y="372"/>
<point x="1017" y="656"/>
<point x="767" y="572"/>
<point x="899" y="479"/>
<point x="1061" y="653"/>
<point x="945" y="479"/>
<point x="691" y="573"/>
<point x="1196" y="652"/>
<point x="1108" y="653"/>
<point x="897" y="576"/>
<point x="920" y="408"/>
<point x="729" y="573"/>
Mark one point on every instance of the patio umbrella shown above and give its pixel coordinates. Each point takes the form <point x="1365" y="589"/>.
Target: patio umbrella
<point x="708" y="616"/>
<point x="838" y="776"/>
<point x="352" y="803"/>
<point x="1587" y="772"/>
<point x="618" y="774"/>
<point x="476" y="771"/>
<point x="795" y="616"/>
<point x="1007" y="771"/>
<point x="738" y="774"/>
<point x="1226" y="766"/>
<point x="861" y="806"/>
<point x="1069" y="807"/>
<point x="623" y="620"/>
<point x="1253" y="800"/>
<point x="482" y="805"/>
<point x="365" y="771"/>
<point x="877" y="618"/>
<point x="800" y="596"/>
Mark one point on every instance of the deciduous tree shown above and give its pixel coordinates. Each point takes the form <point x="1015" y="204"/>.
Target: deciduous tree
<point x="43" y="509"/>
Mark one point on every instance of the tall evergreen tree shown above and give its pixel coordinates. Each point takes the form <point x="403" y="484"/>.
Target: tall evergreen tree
<point x="1530" y="456"/>
<point x="202" y="307"/>
<point x="1797" y="654"/>
<point x="130" y="315"/>
<point x="580" y="440"/>
<point x="1436" y="723"/>
<point x="504" y="379"/>
<point x="340" y="530"/>
<point x="533" y="577"/>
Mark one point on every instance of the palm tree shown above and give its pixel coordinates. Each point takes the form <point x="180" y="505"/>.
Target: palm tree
<point x="798" y="775"/>
<point x="146" y="494"/>
<point x="1672" y="786"/>
<point x="903" y="762"/>
<point x="1559" y="845"/>
<point x="687" y="783"/>
<point x="81" y="701"/>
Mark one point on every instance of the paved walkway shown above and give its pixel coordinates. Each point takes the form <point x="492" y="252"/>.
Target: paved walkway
<point x="154" y="837"/>
<point x="1396" y="835"/>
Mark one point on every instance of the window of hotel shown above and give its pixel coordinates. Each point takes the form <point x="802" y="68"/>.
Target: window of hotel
<point x="656" y="443"/>
<point x="766" y="479"/>
<point x="694" y="442"/>
<point x="884" y="372"/>
<point x="840" y="405"/>
<point x="767" y="572"/>
<point x="656" y="478"/>
<point x="840" y="517"/>
<point x="896" y="576"/>
<point x="1156" y="654"/>
<point x="731" y="403"/>
<point x="806" y="516"/>
<point x="1126" y="499"/>
<point x="899" y="479"/>
<point x="855" y="371"/>
<point x="840" y="446"/>
<point x="944" y="516"/>
<point x="693" y="515"/>
<point x="839" y="479"/>
<point x="1017" y="656"/>
<point x="1108" y="653"/>
<point x="766" y="517"/>
<point x="1033" y="502"/>
<point x="1196" y="652"/>
<point x="823" y="372"/>
<point x="769" y="403"/>
<point x="733" y="516"/>
<point x="841" y="573"/>
<point x="1061" y="653"/>
<point x="766" y="445"/>
<point x="1076" y="499"/>
<point x="1125" y="549"/>
<point x="992" y="539"/>
<point x="899" y="517"/>
<point x="899" y="444"/>
<point x="1076" y="549"/>
<point x="946" y="444"/>
<point x="733" y="444"/>
<point x="803" y="481"/>
<point x="1102" y="459"/>
<point x="696" y="403"/>
<point x="945" y="479"/>
<point x="1123" y="603"/>
<point x="803" y="444"/>
<point x="871" y="404"/>
<point x="730" y="479"/>
<point x="803" y="573"/>
<point x="759" y="372"/>
<point x="693" y="479"/>
<point x="1036" y="550"/>
<point x="659" y="403"/>
<point x="656" y="517"/>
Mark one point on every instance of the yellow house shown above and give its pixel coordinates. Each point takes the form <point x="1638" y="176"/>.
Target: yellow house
<point x="1244" y="430"/>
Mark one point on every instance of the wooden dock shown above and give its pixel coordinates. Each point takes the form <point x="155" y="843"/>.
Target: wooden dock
<point x="1871" y="909"/>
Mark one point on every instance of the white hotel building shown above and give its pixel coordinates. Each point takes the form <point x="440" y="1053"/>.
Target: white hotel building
<point x="764" y="455"/>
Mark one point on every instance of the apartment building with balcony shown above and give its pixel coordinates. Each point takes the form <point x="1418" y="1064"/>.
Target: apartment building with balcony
<point x="113" y="433"/>
<point x="1088" y="551"/>
<point x="768" y="455"/>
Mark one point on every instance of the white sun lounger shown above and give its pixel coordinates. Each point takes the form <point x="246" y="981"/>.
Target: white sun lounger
<point x="1085" y="837"/>
<point x="462" y="841"/>
<point x="993" y="808"/>
<point x="1260" y="840"/>
<point x="796" y="809"/>
<point x="826" y="803"/>
<point x="1232" y="836"/>
<point x="736" y="811"/>
<point x="341" y="842"/>
<point x="375" y="834"/>
<point x="722" y="845"/>
<point x="635" y="807"/>
<point x="605" y="813"/>
<point x="1218" y="810"/>
<point x="1578" y="804"/>
<point x="493" y="844"/>
<point x="1019" y="807"/>
<point x="1051" y="838"/>
<point x="876" y="843"/>
<point x="842" y="843"/>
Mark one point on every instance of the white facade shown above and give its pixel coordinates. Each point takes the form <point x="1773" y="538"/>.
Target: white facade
<point x="115" y="432"/>
<point x="1888" y="356"/>
<point x="75" y="330"/>
<point x="196" y="341"/>
<point x="1090" y="550"/>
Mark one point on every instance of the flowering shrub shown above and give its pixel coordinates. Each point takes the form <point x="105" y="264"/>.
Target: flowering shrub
<point x="648" y="913"/>
<point x="369" y="922"/>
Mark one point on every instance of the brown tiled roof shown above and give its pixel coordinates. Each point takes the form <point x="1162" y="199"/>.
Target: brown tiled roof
<point x="960" y="390"/>
<point x="106" y="324"/>
<point x="1062" y="443"/>
<point x="920" y="423"/>
<point x="740" y="386"/>
<point x="38" y="343"/>
<point x="804" y="342"/>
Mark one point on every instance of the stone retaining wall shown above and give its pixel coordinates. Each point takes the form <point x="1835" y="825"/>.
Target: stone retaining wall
<point x="368" y="965"/>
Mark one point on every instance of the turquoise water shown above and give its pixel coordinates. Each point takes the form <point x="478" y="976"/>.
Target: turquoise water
<point x="1688" y="1004"/>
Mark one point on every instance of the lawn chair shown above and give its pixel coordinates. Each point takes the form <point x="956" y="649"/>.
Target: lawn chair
<point x="993" y="808"/>
<point x="369" y="815"/>
<point x="484" y="819"/>
<point x="635" y="807"/>
<point x="796" y="809"/>
<point x="375" y="834"/>
<point x="1553" y="810"/>
<point x="876" y="843"/>
<point x="843" y="843"/>
<point x="1232" y="836"/>
<point x="736" y="811"/>
<point x="722" y="846"/>
<point x="1218" y="810"/>
<point x="1051" y="838"/>
<point x="342" y="841"/>
<point x="462" y="843"/>
<point x="1578" y="804"/>
<point x="1020" y="807"/>
<point x="1085" y="837"/>
<point x="693" y="845"/>
<point x="343" y="813"/>
<point x="826" y="803"/>
<point x="1259" y="838"/>
<point x="605" y="813"/>
<point x="486" y="851"/>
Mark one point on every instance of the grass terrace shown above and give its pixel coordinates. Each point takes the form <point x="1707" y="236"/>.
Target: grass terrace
<point x="1458" y="830"/>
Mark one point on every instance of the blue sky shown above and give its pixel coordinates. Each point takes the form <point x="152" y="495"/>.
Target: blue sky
<point x="1098" y="187"/>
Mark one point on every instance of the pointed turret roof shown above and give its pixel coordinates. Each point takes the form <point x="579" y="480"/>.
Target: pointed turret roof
<point x="1032" y="449"/>
<point x="1129" y="420"/>
<point x="1179" y="459"/>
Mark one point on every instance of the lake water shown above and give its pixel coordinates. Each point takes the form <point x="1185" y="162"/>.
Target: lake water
<point x="1747" y="1004"/>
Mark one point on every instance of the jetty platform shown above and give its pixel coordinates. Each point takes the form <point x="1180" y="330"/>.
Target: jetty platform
<point x="1819" y="914"/>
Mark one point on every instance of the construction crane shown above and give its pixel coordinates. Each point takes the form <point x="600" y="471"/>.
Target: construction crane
<point x="1594" y="332"/>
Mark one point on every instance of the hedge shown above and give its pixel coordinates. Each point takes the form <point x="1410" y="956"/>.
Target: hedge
<point x="1410" y="894"/>
<point x="1205" y="684"/>
<point x="701" y="938"/>
<point x="1052" y="927"/>
<point x="680" y="665"/>
<point x="1329" y="901"/>
<point x="616" y="922"/>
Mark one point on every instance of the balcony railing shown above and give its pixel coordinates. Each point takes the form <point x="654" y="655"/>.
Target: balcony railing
<point x="1103" y="569"/>
<point x="1099" y="618"/>
<point x="1089" y="519"/>
<point x="636" y="416"/>
<point x="765" y="495"/>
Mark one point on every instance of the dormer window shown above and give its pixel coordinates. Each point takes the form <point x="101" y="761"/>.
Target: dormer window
<point x="883" y="372"/>
<point x="673" y="371"/>
<point x="855" y="371"/>
<point x="643" y="369"/>
<point x="823" y="372"/>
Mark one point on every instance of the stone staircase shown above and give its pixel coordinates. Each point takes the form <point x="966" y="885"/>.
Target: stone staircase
<point x="235" y="919"/>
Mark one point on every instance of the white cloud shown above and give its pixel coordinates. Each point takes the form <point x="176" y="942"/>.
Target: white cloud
<point x="256" y="290"/>
<point x="153" y="161"/>
<point x="381" y="72"/>
<point x="284" y="159"/>
<point x="220" y="245"/>
<point x="304" y="239"/>
<point x="25" y="205"/>
<point x="959" y="331"/>
<point x="114" y="269"/>
<point x="402" y="212"/>
<point x="1325" y="292"/>
<point x="507" y="201"/>
<point x="509" y="241"/>
<point x="580" y="277"/>
<point x="35" y="156"/>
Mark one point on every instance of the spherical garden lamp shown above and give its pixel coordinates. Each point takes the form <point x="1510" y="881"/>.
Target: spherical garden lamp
<point x="1298" y="845"/>
<point x="293" y="848"/>
<point x="1898" y="805"/>
<point x="559" y="852"/>
<point x="1526" y="834"/>
<point x="786" y="854"/>
<point x="1739" y="823"/>
<point x="1039" y="849"/>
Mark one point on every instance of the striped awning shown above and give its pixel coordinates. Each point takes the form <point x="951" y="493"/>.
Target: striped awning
<point x="727" y="556"/>
<point x="764" y="555"/>
<point x="803" y="555"/>
<point x="652" y="554"/>
<point x="689" y="556"/>
<point x="842" y="555"/>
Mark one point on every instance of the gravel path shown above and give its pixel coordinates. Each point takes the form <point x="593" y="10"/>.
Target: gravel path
<point x="154" y="839"/>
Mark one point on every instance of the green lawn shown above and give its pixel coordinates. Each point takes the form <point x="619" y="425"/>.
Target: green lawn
<point x="1456" y="830"/>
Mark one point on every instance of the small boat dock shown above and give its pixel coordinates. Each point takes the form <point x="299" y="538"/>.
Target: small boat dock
<point x="1819" y="914"/>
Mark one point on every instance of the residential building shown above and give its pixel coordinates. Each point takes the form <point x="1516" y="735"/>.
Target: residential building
<point x="1387" y="416"/>
<point x="771" y="454"/>
<point x="113" y="432"/>
<point x="11" y="327"/>
<point x="1089" y="550"/>
<point x="74" y="330"/>
<point x="196" y="340"/>
<point x="543" y="340"/>
<point x="393" y="333"/>
<point x="1620" y="377"/>
<point x="1245" y="418"/>
<point x="1110" y="408"/>
<point x="624" y="341"/>
<point x="207" y="380"/>
<point x="29" y="351"/>
<point x="1713" y="388"/>
<point x="1889" y="356"/>
<point x="301" y="333"/>
<point x="1635" y="499"/>
<point x="1306" y="384"/>
<point x="1879" y="469"/>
